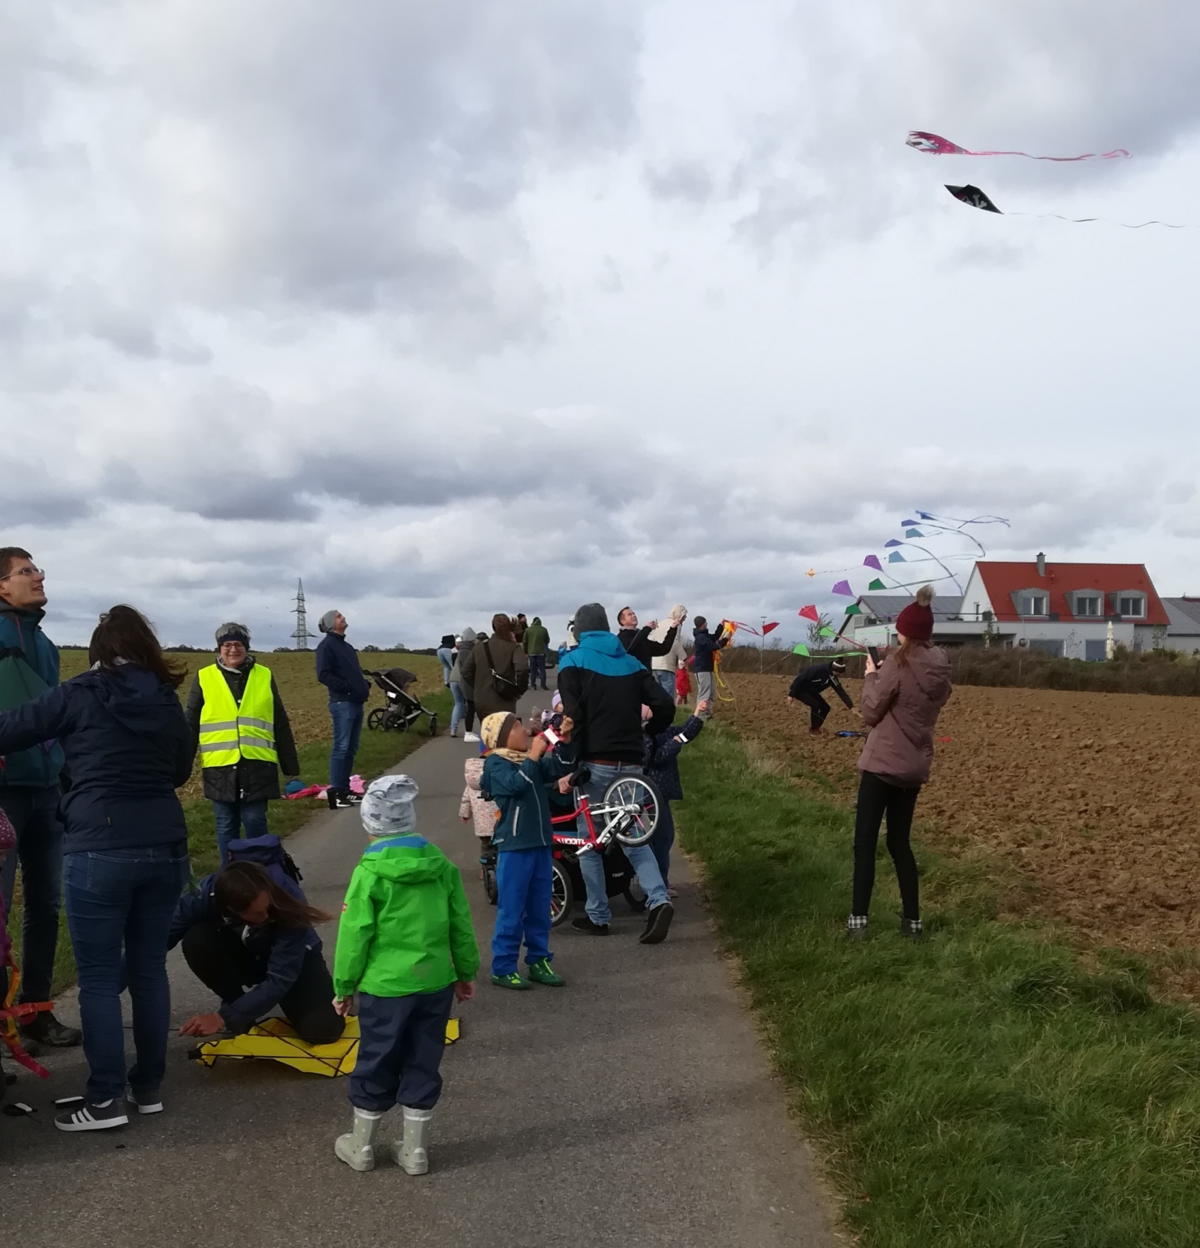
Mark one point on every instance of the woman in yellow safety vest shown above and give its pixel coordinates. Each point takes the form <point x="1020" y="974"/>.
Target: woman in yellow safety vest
<point x="241" y="730"/>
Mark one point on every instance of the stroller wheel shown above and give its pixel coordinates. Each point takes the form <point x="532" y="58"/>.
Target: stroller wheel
<point x="635" y="895"/>
<point x="433" y="725"/>
<point x="562" y="895"/>
<point x="489" y="883"/>
<point x="375" y="718"/>
<point x="401" y="724"/>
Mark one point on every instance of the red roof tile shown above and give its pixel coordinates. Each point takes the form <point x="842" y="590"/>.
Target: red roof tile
<point x="1002" y="580"/>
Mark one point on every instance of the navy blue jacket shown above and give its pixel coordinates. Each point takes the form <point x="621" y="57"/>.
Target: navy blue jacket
<point x="706" y="646"/>
<point x="21" y="634"/>
<point x="279" y="953"/>
<point x="520" y="792"/>
<point x="339" y="671"/>
<point x="128" y="749"/>
<point x="815" y="678"/>
<point x="662" y="757"/>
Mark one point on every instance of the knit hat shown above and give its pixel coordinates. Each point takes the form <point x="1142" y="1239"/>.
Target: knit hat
<point x="916" y="620"/>
<point x="839" y="665"/>
<point x="387" y="806"/>
<point x="325" y="623"/>
<point x="468" y="634"/>
<point x="591" y="618"/>
<point x="494" y="730"/>
<point x="233" y="632"/>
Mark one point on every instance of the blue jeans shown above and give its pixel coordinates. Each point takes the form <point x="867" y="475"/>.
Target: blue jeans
<point x="446" y="659"/>
<point x="667" y="681"/>
<point x="34" y="816"/>
<point x="524" y="881"/>
<point x="537" y="669"/>
<point x="459" y="713"/>
<point x="400" y="1048"/>
<point x="641" y="857"/>
<point x="662" y="840"/>
<point x="347" y="728"/>
<point x="120" y="903"/>
<point x="231" y="817"/>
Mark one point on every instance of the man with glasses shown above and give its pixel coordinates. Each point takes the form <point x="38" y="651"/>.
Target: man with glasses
<point x="30" y="791"/>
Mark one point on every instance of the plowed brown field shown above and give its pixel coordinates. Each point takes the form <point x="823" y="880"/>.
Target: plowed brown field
<point x="1092" y="795"/>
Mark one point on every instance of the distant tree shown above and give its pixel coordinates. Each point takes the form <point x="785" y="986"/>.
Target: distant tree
<point x="815" y="640"/>
<point x="370" y="649"/>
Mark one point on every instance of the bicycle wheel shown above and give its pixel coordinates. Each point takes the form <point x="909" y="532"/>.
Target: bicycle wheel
<point x="638" y="822"/>
<point x="562" y="895"/>
<point x="375" y="718"/>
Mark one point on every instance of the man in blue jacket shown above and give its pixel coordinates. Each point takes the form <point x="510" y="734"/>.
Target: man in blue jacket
<point x="30" y="790"/>
<point x="339" y="671"/>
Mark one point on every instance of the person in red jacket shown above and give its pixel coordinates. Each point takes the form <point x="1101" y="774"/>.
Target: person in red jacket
<point x="901" y="701"/>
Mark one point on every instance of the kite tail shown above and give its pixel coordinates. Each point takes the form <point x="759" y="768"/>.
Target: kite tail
<point x="11" y="1014"/>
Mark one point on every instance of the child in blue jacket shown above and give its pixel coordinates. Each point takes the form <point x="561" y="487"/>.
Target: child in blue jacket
<point x="516" y="774"/>
<point x="661" y="764"/>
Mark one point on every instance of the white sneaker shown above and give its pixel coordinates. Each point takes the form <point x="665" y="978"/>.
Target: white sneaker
<point x="470" y="736"/>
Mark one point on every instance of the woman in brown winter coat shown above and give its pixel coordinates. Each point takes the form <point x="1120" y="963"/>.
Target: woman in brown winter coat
<point x="901" y="701"/>
<point x="498" y="670"/>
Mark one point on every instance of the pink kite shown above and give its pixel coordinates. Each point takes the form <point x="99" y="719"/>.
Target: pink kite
<point x="843" y="588"/>
<point x="811" y="613"/>
<point x="935" y="145"/>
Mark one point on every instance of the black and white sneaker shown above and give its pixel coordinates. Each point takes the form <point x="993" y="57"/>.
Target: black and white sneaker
<point x="338" y="800"/>
<point x="146" y="1102"/>
<point x="92" y="1116"/>
<point x="355" y="799"/>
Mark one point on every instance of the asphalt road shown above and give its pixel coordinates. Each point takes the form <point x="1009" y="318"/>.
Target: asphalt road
<point x="633" y="1107"/>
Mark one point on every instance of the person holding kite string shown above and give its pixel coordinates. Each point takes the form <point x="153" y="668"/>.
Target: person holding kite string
<point x="252" y="941"/>
<point x="901" y="702"/>
<point x="809" y="684"/>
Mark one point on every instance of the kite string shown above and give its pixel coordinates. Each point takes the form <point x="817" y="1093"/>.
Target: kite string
<point x="1125" y="225"/>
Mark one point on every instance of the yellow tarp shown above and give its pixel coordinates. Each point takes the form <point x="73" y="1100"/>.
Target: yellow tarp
<point x="274" y="1040"/>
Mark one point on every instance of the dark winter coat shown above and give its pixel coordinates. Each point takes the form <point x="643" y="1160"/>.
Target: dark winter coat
<point x="339" y="671"/>
<point x="23" y="645"/>
<point x="127" y="748"/>
<point x="249" y="779"/>
<point x="816" y="678"/>
<point x="706" y="645"/>
<point x="521" y="792"/>
<point x="537" y="637"/>
<point x="661" y="759"/>
<point x="637" y="642"/>
<point x="901" y="705"/>
<point x="278" y="952"/>
<point x="475" y="673"/>
<point x="603" y="690"/>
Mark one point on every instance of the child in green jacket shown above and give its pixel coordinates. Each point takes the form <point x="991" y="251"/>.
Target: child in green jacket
<point x="407" y="948"/>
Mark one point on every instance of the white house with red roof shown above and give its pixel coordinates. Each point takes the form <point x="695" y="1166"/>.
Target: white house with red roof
<point x="1076" y="610"/>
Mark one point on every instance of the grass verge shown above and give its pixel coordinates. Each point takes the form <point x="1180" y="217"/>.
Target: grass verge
<point x="377" y="752"/>
<point x="979" y="1090"/>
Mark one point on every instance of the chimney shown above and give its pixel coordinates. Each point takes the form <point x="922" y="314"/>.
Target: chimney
<point x="1041" y="562"/>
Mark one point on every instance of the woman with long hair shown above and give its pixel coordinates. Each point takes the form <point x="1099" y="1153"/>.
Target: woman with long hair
<point x="497" y="669"/>
<point x="251" y="939"/>
<point x="901" y="702"/>
<point x="127" y="749"/>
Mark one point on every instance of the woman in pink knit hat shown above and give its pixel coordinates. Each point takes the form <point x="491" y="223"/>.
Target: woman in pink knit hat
<point x="901" y="701"/>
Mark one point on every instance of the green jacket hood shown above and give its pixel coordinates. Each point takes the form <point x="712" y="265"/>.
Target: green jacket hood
<point x="405" y="860"/>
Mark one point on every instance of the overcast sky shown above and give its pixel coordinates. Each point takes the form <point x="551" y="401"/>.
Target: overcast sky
<point x="462" y="307"/>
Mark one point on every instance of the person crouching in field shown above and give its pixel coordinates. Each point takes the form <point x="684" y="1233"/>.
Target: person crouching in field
<point x="901" y="702"/>
<point x="516" y="774"/>
<point x="407" y="948"/>
<point x="810" y="682"/>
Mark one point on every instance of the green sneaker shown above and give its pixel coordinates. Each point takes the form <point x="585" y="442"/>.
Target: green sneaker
<point x="512" y="980"/>
<point x="542" y="972"/>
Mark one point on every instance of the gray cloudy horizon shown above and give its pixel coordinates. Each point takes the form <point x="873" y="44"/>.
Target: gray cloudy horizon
<point x="458" y="309"/>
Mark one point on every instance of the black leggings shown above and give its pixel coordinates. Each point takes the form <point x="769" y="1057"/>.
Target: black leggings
<point x="876" y="797"/>
<point x="469" y="715"/>
<point x="218" y="958"/>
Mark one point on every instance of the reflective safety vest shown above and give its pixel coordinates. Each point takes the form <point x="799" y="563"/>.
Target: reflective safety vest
<point x="229" y="731"/>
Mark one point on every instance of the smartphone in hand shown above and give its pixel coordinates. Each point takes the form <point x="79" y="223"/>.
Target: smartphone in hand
<point x="873" y="651"/>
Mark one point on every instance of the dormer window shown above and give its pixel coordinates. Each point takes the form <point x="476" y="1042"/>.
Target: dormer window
<point x="1033" y="604"/>
<point x="1132" y="606"/>
<point x="1088" y="605"/>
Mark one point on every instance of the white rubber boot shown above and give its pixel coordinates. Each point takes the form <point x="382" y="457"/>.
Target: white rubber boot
<point x="357" y="1149"/>
<point x="412" y="1156"/>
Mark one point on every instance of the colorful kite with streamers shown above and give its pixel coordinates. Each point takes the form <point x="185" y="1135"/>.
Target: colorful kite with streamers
<point x="935" y="145"/>
<point x="973" y="197"/>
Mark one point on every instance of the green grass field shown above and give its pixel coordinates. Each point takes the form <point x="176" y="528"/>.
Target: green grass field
<point x="307" y="706"/>
<point x="983" y="1089"/>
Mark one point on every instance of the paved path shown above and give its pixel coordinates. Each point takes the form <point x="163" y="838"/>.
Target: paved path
<point x="634" y="1107"/>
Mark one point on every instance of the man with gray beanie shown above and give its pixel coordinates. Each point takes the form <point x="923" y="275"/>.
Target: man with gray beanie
<point x="603" y="690"/>
<point x="241" y="729"/>
<point x="339" y="671"/>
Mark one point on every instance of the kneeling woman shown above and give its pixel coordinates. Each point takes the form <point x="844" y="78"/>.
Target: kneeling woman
<point x="252" y="942"/>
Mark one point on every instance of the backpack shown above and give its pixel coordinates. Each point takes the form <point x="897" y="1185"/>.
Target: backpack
<point x="268" y="852"/>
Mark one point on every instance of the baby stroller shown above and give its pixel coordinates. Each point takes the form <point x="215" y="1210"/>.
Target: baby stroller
<point x="401" y="709"/>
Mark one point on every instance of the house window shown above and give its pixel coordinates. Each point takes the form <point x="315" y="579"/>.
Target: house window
<point x="1087" y="604"/>
<point x="1133" y="606"/>
<point x="1033" y="604"/>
